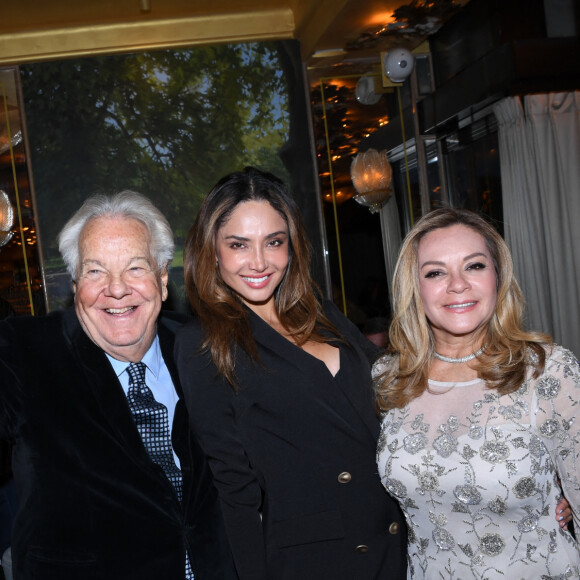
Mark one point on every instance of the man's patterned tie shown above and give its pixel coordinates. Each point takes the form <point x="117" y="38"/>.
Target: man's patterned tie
<point x="152" y="422"/>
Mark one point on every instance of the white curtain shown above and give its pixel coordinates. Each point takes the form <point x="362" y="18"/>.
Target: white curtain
<point x="391" y="239"/>
<point x="539" y="145"/>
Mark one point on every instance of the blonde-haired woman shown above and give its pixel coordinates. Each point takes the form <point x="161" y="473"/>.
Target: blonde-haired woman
<point x="479" y="426"/>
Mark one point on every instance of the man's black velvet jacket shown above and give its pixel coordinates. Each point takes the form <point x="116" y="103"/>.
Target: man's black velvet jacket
<point x="92" y="505"/>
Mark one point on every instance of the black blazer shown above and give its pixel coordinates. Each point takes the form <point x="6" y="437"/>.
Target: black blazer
<point x="293" y="457"/>
<point x="92" y="505"/>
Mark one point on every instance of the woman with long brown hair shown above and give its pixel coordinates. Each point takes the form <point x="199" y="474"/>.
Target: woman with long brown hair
<point x="278" y="386"/>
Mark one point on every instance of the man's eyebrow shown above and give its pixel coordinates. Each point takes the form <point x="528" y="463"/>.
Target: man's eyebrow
<point x="99" y="263"/>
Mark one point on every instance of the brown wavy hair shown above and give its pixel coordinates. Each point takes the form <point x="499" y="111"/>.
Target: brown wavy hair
<point x="222" y="314"/>
<point x="506" y="358"/>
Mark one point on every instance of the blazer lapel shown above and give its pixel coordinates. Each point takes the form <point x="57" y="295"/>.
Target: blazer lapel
<point x="358" y="389"/>
<point x="101" y="383"/>
<point x="166" y="330"/>
<point x="267" y="338"/>
<point x="357" y="394"/>
<point x="180" y="432"/>
<point x="180" y="436"/>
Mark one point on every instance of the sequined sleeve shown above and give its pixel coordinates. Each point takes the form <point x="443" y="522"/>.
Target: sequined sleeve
<point x="380" y="366"/>
<point x="555" y="410"/>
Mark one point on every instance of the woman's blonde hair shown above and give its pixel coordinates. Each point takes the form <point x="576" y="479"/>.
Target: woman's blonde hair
<point x="507" y="353"/>
<point x="222" y="314"/>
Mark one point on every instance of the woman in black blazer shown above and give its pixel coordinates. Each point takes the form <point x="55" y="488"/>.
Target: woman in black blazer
<point x="278" y="388"/>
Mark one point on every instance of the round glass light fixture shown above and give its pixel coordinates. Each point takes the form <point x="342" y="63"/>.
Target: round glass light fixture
<point x="365" y="91"/>
<point x="372" y="177"/>
<point x="6" y="218"/>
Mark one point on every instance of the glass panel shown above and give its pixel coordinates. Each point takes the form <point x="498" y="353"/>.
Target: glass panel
<point x="436" y="197"/>
<point x="343" y="117"/>
<point x="407" y="188"/>
<point x="168" y="124"/>
<point x="21" y="288"/>
<point x="473" y="170"/>
<point x="423" y="69"/>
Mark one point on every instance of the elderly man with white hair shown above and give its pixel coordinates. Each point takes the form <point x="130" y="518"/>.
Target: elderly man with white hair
<point x="111" y="483"/>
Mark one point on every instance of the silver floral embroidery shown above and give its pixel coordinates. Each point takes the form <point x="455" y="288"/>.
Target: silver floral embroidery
<point x="440" y="520"/>
<point x="491" y="544"/>
<point x="568" y="357"/>
<point x="439" y="469"/>
<point x="428" y="481"/>
<point x="468" y="452"/>
<point x="395" y="487"/>
<point x="418" y="422"/>
<point x="382" y="442"/>
<point x="467" y="494"/>
<point x="510" y="412"/>
<point x="494" y="452"/>
<point x="567" y="425"/>
<point x="415" y="443"/>
<point x="459" y="507"/>
<point x="528" y="523"/>
<point x="445" y="444"/>
<point x="443" y="539"/>
<point x="549" y="428"/>
<point x="498" y="506"/>
<point x="511" y="467"/>
<point x="475" y="432"/>
<point x="524" y="387"/>
<point x="532" y="357"/>
<point x="395" y="427"/>
<point x="530" y="549"/>
<point x="548" y="387"/>
<point x="478" y="560"/>
<point x="518" y="442"/>
<point x="393" y="445"/>
<point x="524" y="487"/>
<point x="536" y="447"/>
<point x="488" y="462"/>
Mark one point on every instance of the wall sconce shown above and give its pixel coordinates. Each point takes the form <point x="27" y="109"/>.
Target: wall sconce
<point x="365" y="91"/>
<point x="372" y="176"/>
<point x="6" y="218"/>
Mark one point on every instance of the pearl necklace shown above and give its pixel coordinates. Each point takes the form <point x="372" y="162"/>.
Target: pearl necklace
<point x="462" y="359"/>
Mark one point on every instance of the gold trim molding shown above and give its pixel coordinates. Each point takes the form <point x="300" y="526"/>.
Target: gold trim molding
<point x="54" y="44"/>
<point x="314" y="27"/>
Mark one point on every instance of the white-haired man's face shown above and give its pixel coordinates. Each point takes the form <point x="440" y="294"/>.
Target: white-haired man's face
<point x="119" y="291"/>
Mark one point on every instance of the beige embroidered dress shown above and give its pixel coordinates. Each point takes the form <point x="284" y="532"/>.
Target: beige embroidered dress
<point x="475" y="474"/>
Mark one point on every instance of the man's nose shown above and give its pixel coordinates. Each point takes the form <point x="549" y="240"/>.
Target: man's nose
<point x="117" y="287"/>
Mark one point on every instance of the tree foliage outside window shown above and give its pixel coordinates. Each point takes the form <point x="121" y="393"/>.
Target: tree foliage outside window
<point x="168" y="124"/>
